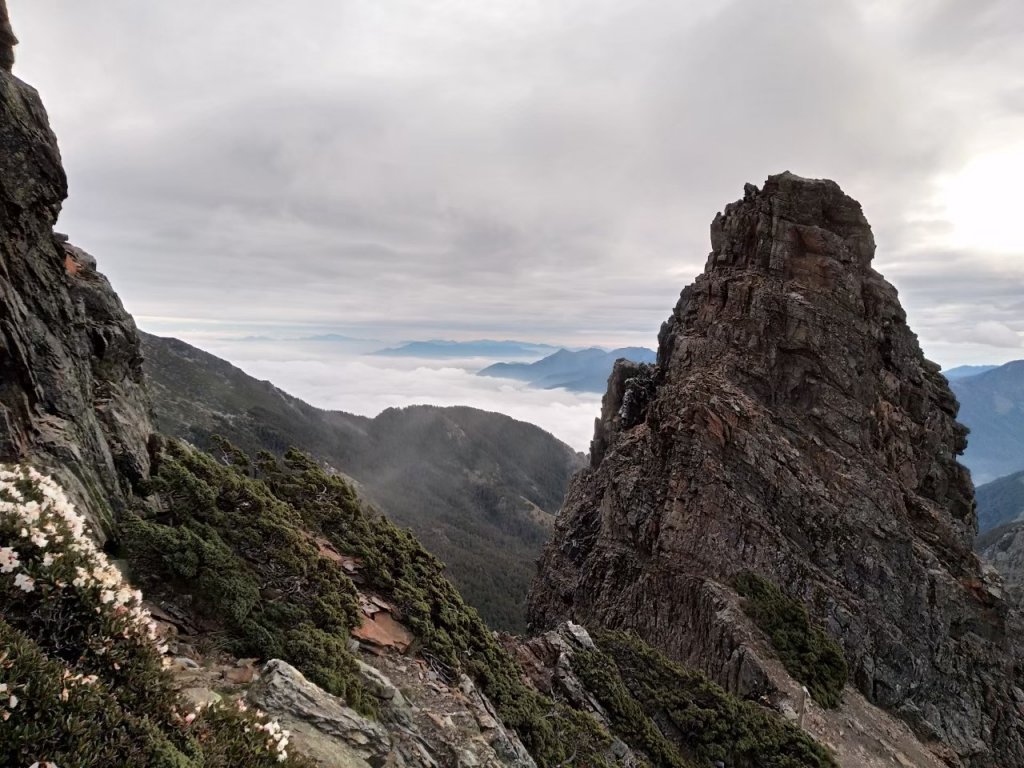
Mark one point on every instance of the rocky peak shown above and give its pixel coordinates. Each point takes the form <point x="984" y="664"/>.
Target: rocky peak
<point x="793" y="428"/>
<point x="71" y="394"/>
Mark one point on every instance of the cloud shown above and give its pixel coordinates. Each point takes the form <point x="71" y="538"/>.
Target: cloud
<point x="528" y="169"/>
<point x="327" y="377"/>
<point x="996" y="335"/>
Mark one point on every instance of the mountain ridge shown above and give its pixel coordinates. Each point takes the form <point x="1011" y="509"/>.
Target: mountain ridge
<point x="584" y="370"/>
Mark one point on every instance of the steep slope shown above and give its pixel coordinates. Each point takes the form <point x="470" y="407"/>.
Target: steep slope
<point x="992" y="406"/>
<point x="479" y="489"/>
<point x="1000" y="502"/>
<point x="71" y="395"/>
<point x="585" y="370"/>
<point x="793" y="429"/>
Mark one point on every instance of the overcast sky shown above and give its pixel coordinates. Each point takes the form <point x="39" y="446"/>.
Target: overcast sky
<point x="539" y="169"/>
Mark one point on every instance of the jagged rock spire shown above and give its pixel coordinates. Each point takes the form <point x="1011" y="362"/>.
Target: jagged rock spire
<point x="792" y="427"/>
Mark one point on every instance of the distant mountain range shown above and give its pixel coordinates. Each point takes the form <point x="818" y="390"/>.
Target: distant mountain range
<point x="963" y="371"/>
<point x="992" y="405"/>
<point x="1000" y="502"/>
<point x="479" y="489"/>
<point x="586" y="370"/>
<point x="480" y="348"/>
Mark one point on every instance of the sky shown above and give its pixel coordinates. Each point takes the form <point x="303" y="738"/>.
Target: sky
<point x="532" y="169"/>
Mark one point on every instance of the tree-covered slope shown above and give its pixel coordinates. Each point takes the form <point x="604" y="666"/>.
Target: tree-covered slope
<point x="479" y="489"/>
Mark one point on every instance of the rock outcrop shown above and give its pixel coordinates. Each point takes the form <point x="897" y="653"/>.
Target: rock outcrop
<point x="793" y="428"/>
<point x="71" y="394"/>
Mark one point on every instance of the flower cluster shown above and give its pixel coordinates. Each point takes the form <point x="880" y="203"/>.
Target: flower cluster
<point x="48" y="548"/>
<point x="277" y="737"/>
<point x="8" y="701"/>
<point x="256" y="721"/>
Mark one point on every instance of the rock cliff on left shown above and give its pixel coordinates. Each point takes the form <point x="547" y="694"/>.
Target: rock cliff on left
<point x="71" y="394"/>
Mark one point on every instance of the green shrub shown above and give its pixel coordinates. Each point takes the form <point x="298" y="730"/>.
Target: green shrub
<point x="629" y="720"/>
<point x="807" y="651"/>
<point x="700" y="719"/>
<point x="68" y="720"/>
<point x="238" y="539"/>
<point x="247" y="565"/>
<point x="82" y="678"/>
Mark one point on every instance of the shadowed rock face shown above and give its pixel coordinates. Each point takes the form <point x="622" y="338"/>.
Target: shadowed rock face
<point x="792" y="427"/>
<point x="71" y="394"/>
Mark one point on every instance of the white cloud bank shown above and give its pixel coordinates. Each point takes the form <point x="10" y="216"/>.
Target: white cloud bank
<point x="330" y="378"/>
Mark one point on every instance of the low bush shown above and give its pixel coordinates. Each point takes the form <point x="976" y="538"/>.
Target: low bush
<point x="808" y="652"/>
<point x="82" y="671"/>
<point x="238" y="543"/>
<point x="680" y="718"/>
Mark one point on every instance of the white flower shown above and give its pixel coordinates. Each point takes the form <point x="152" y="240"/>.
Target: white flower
<point x="40" y="540"/>
<point x="13" y="701"/>
<point x="8" y="560"/>
<point x="47" y="560"/>
<point x="24" y="582"/>
<point x="82" y="578"/>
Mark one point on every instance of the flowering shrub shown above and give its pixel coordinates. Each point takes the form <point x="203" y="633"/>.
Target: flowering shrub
<point x="82" y="669"/>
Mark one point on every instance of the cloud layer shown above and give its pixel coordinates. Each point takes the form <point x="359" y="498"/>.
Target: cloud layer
<point x="529" y="169"/>
<point x="331" y="376"/>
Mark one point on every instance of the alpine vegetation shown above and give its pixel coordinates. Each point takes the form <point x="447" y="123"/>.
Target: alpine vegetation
<point x="83" y="677"/>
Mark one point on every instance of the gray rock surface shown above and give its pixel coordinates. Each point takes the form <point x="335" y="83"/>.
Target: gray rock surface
<point x="793" y="427"/>
<point x="323" y="727"/>
<point x="434" y="726"/>
<point x="71" y="392"/>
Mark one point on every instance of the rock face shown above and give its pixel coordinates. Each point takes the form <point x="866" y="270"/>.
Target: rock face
<point x="71" y="393"/>
<point x="793" y="428"/>
<point x="439" y="727"/>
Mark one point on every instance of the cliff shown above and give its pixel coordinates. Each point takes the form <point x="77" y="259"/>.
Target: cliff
<point x="793" y="430"/>
<point x="71" y="393"/>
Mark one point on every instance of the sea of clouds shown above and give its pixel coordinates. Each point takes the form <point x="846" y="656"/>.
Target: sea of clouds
<point x="345" y="377"/>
